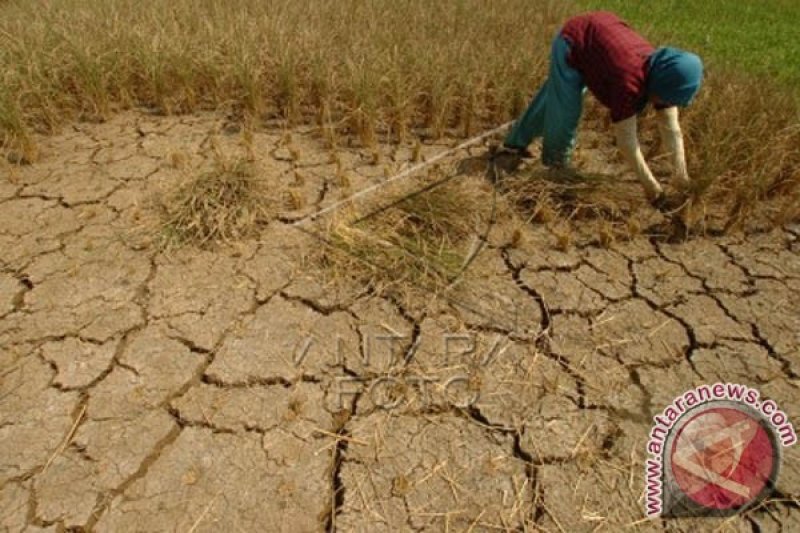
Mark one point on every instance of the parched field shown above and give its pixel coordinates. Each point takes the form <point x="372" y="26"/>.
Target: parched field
<point x="265" y="286"/>
<point x="151" y="388"/>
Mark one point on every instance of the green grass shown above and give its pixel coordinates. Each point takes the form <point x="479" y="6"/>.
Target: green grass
<point x="752" y="36"/>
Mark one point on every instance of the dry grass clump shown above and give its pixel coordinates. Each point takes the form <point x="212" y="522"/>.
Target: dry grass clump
<point x="545" y="196"/>
<point x="585" y="208"/>
<point x="223" y="204"/>
<point x="419" y="243"/>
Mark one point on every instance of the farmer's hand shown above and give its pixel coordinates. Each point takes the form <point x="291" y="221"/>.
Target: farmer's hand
<point x="672" y="137"/>
<point x="628" y="143"/>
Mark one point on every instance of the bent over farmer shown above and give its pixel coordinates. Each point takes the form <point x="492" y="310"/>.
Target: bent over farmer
<point x="625" y="72"/>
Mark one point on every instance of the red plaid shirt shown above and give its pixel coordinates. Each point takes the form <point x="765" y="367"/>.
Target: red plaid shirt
<point x="612" y="59"/>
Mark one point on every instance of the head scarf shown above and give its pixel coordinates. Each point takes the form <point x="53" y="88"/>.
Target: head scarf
<point x="675" y="76"/>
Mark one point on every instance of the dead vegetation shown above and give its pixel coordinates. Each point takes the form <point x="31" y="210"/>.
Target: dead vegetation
<point x="548" y="196"/>
<point x="343" y="63"/>
<point x="421" y="241"/>
<point x="225" y="203"/>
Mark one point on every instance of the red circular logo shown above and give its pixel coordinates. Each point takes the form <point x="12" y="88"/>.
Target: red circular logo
<point x="723" y="458"/>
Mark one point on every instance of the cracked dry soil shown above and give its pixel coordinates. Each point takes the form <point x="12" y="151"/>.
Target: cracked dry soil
<point x="149" y="390"/>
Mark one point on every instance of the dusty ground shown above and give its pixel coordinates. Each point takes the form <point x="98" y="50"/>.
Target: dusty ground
<point x="147" y="390"/>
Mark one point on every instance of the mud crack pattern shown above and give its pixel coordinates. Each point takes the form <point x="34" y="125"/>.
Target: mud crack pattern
<point x="239" y="389"/>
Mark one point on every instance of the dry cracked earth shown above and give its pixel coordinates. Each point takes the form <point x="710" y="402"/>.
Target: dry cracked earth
<point x="238" y="388"/>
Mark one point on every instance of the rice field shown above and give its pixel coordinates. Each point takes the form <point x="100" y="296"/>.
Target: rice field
<point x="455" y="69"/>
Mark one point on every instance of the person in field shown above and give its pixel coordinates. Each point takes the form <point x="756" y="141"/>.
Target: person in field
<point x="599" y="51"/>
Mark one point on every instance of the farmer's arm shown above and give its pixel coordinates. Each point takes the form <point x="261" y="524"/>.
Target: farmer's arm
<point x="628" y="143"/>
<point x="672" y="137"/>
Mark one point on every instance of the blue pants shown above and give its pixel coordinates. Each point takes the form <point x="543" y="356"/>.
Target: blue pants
<point x="555" y="111"/>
